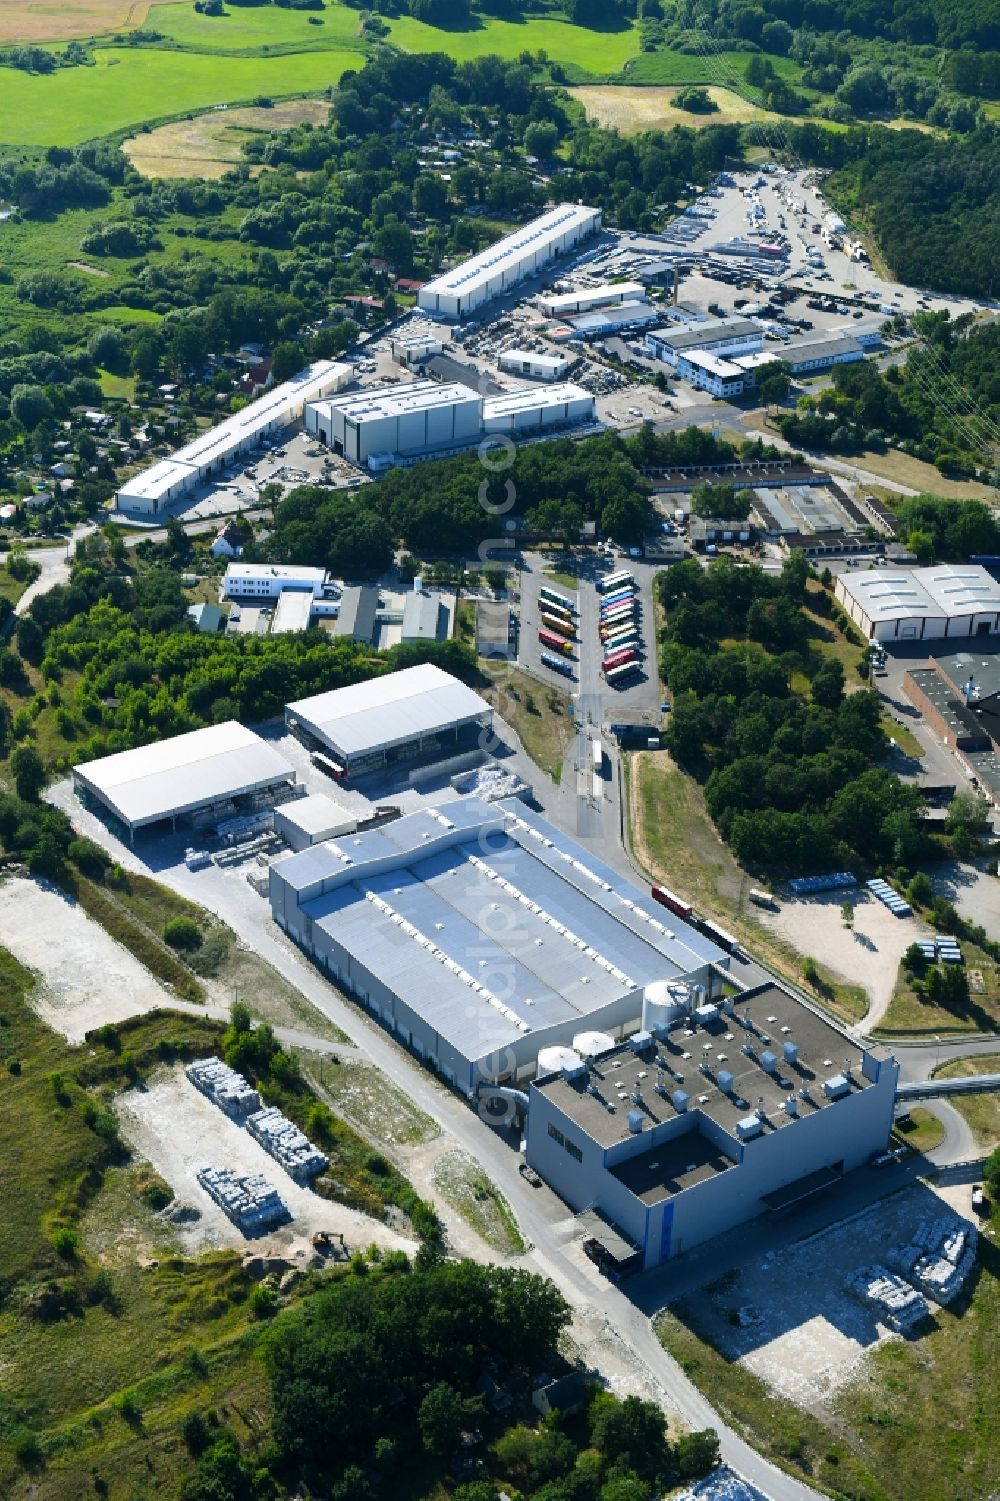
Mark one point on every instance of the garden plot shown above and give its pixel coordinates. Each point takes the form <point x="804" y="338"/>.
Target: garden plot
<point x="791" y="1318"/>
<point x="85" y="977"/>
<point x="178" y="1130"/>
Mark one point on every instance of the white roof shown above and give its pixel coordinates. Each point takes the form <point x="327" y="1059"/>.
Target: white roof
<point x="316" y="813"/>
<point x="530" y="398"/>
<point x="297" y="571"/>
<point x="946" y="589"/>
<point x="158" y="480"/>
<point x="508" y="252"/>
<point x="186" y="772"/>
<point x="528" y="356"/>
<point x="292" y="612"/>
<point x="617" y="291"/>
<point x="389" y="710"/>
<point x="398" y="400"/>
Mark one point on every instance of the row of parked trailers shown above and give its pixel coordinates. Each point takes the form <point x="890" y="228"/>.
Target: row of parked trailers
<point x="557" y="633"/>
<point x="621" y="641"/>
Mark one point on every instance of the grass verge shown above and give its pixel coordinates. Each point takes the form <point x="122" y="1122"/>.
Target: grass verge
<point x="917" y="1016"/>
<point x="371" y="1102"/>
<point x="980" y="1111"/>
<point x="920" y="1130"/>
<point x="99" y="903"/>
<point x="539" y="714"/>
<point x="462" y="1183"/>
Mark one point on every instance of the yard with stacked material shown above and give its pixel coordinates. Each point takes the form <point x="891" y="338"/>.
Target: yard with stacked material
<point x="808" y="1375"/>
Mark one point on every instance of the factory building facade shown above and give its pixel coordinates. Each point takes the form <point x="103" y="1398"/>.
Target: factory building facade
<point x="706" y="1118"/>
<point x="948" y="600"/>
<point x="458" y="292"/>
<point x="376" y="429"/>
<point x="480" y="936"/>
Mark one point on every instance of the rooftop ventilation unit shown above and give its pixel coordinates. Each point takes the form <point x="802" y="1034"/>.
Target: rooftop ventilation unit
<point x="640" y="1041"/>
<point x="791" y="1051"/>
<point x="836" y="1087"/>
<point x="635" y="1121"/>
<point x="791" y="1105"/>
<point x="748" y="1127"/>
<point x="679" y="1100"/>
<point x="768" y="1062"/>
<point x="725" y="1081"/>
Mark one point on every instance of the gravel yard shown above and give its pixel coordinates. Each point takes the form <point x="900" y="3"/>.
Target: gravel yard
<point x="788" y="1318"/>
<point x="868" y="955"/>
<point x="178" y="1131"/>
<point x="85" y="977"/>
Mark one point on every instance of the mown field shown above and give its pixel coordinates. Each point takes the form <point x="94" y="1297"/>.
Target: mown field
<point x="631" y="110"/>
<point x="211" y="144"/>
<point x="130" y="85"/>
<point x="597" y="52"/>
<point x="258" y="28"/>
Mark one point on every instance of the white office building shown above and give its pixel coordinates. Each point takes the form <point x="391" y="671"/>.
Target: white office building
<point x="458" y="292"/>
<point x="949" y="600"/>
<point x="712" y="373"/>
<point x="260" y="582"/>
<point x="207" y="456"/>
<point x="726" y="337"/>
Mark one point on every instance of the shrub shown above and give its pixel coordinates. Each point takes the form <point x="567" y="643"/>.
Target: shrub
<point x="65" y="1242"/>
<point x="263" y="1303"/>
<point x="182" y="933"/>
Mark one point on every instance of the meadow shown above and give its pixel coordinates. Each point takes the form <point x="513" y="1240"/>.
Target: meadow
<point x="210" y="145"/>
<point x="131" y="85"/>
<point x="601" y="53"/>
<point x="264" y="28"/>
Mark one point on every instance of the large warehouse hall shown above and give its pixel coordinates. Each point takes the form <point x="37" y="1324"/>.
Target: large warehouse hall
<point x="220" y="771"/>
<point x="391" y="718"/>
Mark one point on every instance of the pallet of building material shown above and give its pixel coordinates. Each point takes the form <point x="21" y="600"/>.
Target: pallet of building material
<point x="289" y="1146"/>
<point x="247" y="1199"/>
<point x="223" y="1086"/>
<point x="891" y="1299"/>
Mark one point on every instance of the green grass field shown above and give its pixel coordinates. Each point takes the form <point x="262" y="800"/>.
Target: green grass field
<point x="131" y="85"/>
<point x="596" y="52"/>
<point x="724" y="68"/>
<point x="257" y="28"/>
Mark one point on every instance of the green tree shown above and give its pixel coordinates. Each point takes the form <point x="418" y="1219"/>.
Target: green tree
<point x="29" y="405"/>
<point x="288" y="358"/>
<point x="697" y="1453"/>
<point x="440" y="1417"/>
<point x="182" y="933"/>
<point x="29" y="772"/>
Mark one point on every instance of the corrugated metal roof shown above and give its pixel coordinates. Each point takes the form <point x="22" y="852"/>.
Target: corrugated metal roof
<point x="389" y="710"/>
<point x="186" y="772"/>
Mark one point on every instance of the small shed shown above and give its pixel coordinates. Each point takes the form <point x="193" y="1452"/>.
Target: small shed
<point x="312" y="820"/>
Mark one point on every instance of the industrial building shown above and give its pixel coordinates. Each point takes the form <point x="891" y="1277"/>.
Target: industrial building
<point x="395" y="717"/>
<point x="922" y="604"/>
<point x="529" y="411"/>
<point x="383" y="618"/>
<point x="379" y="428"/>
<point x="585" y="299"/>
<point x="151" y="492"/>
<point x="810" y="358"/>
<point x="726" y="337"/>
<point x="603" y="323"/>
<point x="458" y="292"/>
<point x="216" y="772"/>
<point x="404" y="421"/>
<point x="481" y="936"/>
<point x="709" y="1116"/>
<point x="415" y="348"/>
<point x="306" y="821"/>
<point x="533" y="366"/>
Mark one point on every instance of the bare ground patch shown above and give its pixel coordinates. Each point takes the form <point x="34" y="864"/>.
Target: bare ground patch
<point x="88" y="269"/>
<point x="210" y="144"/>
<point x="868" y="954"/>
<point x="86" y="978"/>
<point x="175" y="1128"/>
<point x="633" y="109"/>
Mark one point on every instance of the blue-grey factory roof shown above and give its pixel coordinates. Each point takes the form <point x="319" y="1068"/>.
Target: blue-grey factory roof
<point x="490" y="937"/>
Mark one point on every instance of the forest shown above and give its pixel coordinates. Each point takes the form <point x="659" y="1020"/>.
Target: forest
<point x="761" y="716"/>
